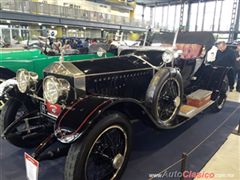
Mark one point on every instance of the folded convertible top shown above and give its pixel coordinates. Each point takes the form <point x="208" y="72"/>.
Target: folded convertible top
<point x="204" y="38"/>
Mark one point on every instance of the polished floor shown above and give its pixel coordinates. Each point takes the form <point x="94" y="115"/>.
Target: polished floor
<point x="225" y="164"/>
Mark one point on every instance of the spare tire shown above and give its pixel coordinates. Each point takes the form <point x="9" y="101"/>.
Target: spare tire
<point x="164" y="96"/>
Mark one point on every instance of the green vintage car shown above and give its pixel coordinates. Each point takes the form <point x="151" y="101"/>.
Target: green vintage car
<point x="34" y="60"/>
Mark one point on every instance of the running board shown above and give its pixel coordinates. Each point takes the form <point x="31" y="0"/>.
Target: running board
<point x="194" y="110"/>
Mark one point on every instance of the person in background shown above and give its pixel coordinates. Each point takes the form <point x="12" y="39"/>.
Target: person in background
<point x="57" y="45"/>
<point x="51" y="41"/>
<point x="67" y="45"/>
<point x="226" y="57"/>
<point x="86" y="43"/>
<point x="94" y="42"/>
<point x="238" y="66"/>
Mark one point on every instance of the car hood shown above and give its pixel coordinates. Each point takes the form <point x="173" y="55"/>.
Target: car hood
<point x="95" y="67"/>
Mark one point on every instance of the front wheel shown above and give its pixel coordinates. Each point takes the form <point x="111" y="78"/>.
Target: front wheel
<point x="26" y="133"/>
<point x="103" y="154"/>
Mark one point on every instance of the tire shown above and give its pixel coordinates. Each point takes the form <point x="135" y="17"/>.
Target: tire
<point x="9" y="113"/>
<point x="157" y="92"/>
<point x="222" y="97"/>
<point x="5" y="74"/>
<point x="80" y="155"/>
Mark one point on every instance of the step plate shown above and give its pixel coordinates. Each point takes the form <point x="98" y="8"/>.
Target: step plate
<point x="196" y="111"/>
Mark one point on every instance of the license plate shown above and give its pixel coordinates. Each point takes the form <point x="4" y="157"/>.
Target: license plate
<point x="32" y="167"/>
<point x="52" y="110"/>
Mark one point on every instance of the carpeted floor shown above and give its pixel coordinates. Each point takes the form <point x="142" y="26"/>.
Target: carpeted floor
<point x="153" y="150"/>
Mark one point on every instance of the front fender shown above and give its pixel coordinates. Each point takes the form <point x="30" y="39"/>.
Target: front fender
<point x="77" y="118"/>
<point x="76" y="121"/>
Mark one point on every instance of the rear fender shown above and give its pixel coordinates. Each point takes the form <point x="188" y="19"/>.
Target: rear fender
<point x="76" y="121"/>
<point x="217" y="75"/>
<point x="214" y="78"/>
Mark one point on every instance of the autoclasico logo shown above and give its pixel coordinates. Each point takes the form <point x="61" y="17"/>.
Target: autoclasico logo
<point x="185" y="174"/>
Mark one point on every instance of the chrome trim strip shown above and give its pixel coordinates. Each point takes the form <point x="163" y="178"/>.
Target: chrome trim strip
<point x="139" y="57"/>
<point x="115" y="72"/>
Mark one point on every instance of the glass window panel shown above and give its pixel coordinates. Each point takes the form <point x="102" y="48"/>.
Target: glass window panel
<point x="165" y="17"/>
<point x="138" y="12"/>
<point x="209" y="14"/>
<point x="147" y="14"/>
<point x="193" y="17"/>
<point x="171" y="18"/>
<point x="185" y="14"/>
<point x="158" y="16"/>
<point x="177" y="16"/>
<point x="200" y="17"/>
<point x="218" y="9"/>
<point x="226" y="15"/>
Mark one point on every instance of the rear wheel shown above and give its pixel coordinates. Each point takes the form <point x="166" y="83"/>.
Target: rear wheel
<point x="26" y="133"/>
<point x="103" y="154"/>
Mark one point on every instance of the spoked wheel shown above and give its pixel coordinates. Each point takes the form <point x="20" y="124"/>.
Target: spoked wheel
<point x="106" y="156"/>
<point x="28" y="132"/>
<point x="103" y="153"/>
<point x="168" y="100"/>
<point x="164" y="96"/>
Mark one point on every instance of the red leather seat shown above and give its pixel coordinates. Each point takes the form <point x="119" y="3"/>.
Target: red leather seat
<point x="190" y="51"/>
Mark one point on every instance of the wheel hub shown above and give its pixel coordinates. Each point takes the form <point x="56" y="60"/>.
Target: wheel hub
<point x="177" y="101"/>
<point x="118" y="161"/>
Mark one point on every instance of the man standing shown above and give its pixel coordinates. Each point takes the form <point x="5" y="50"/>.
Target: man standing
<point x="226" y="57"/>
<point x="238" y="67"/>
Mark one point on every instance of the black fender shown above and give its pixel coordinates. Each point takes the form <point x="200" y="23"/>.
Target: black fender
<point x="78" y="119"/>
<point x="172" y="72"/>
<point x="156" y="84"/>
<point x="6" y="73"/>
<point x="214" y="79"/>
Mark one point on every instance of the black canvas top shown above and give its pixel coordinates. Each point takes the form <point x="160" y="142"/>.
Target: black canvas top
<point x="204" y="38"/>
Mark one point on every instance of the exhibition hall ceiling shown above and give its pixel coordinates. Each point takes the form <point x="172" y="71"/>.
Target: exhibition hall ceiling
<point x="162" y="2"/>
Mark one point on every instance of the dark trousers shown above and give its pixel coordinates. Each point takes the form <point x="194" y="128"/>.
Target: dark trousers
<point x="231" y="78"/>
<point x="238" y="79"/>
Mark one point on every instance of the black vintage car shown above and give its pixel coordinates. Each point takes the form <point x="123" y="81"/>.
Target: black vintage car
<point x="88" y="106"/>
